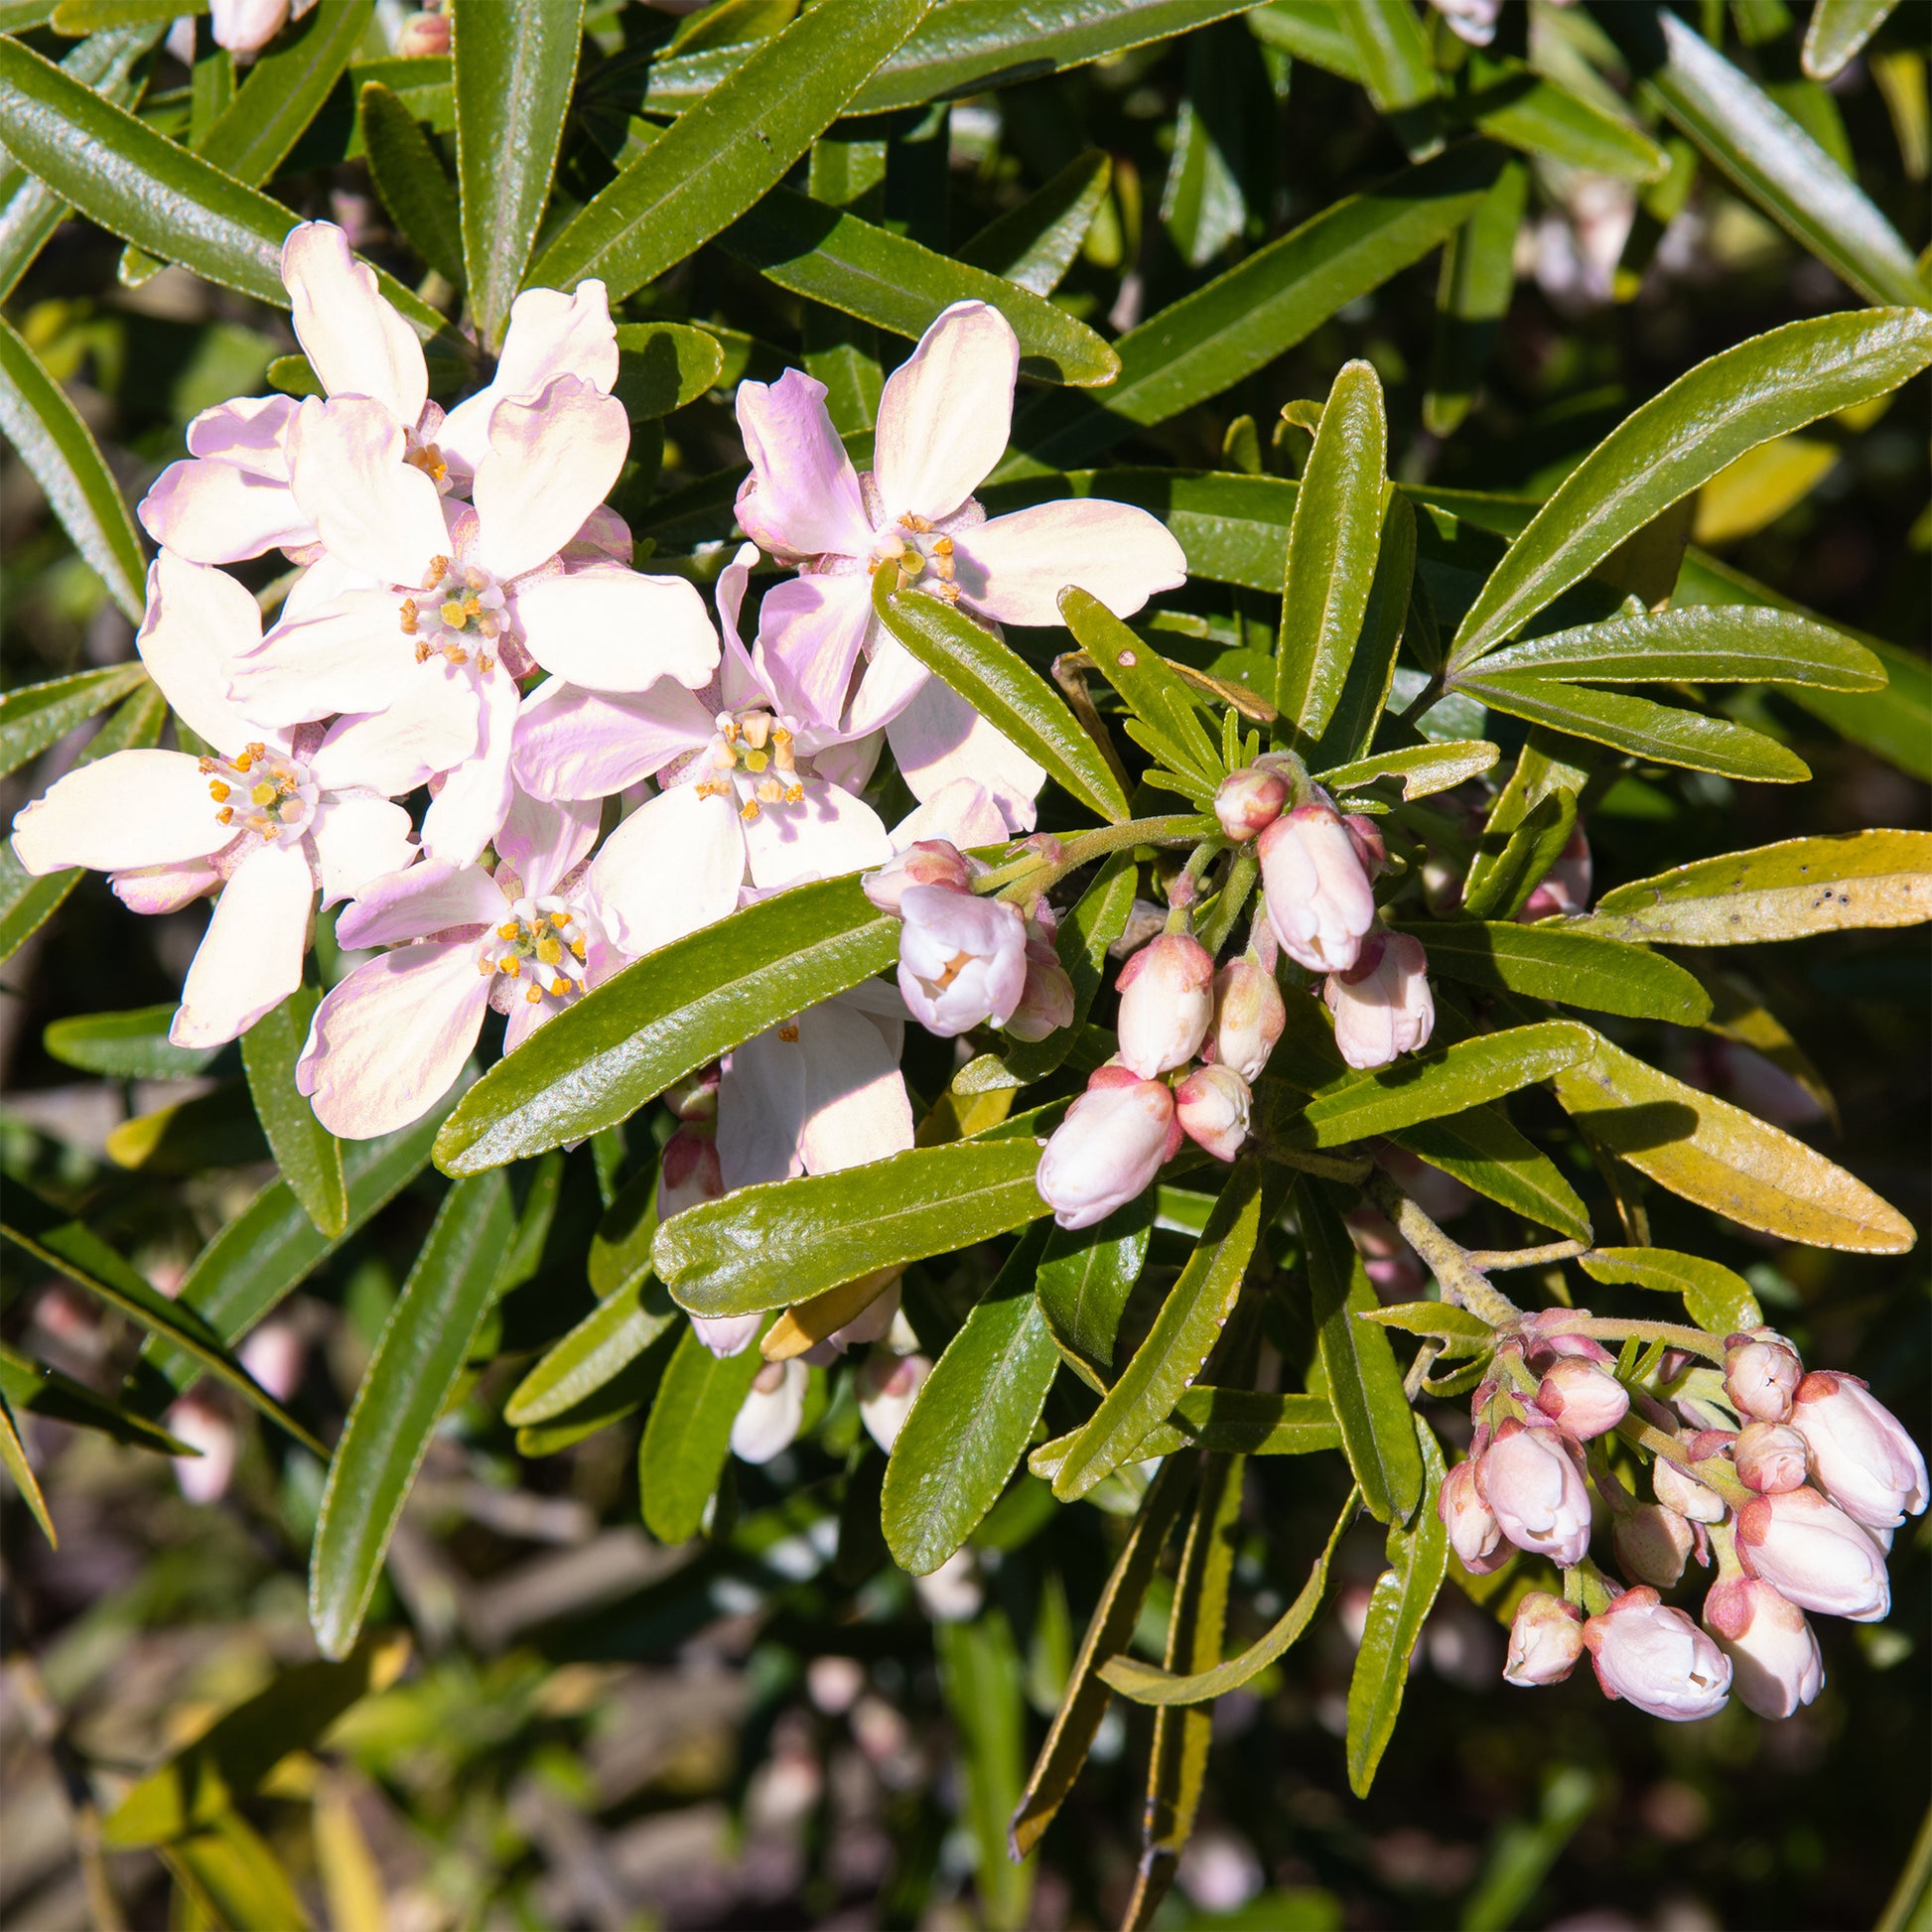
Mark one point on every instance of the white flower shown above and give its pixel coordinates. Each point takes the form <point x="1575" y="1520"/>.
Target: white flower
<point x="1109" y="1148"/>
<point x="1656" y="1657"/>
<point x="1382" y="1004"/>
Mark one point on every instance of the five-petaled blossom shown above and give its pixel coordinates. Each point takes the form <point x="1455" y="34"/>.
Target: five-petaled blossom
<point x="264" y="819"/>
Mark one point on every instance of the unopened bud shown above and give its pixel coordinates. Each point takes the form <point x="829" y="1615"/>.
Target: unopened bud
<point x="1166" y="1001"/>
<point x="1762" y="1375"/>
<point x="962" y="961"/>
<point x="727" y="1334"/>
<point x="423" y="34"/>
<point x="1770" y="1458"/>
<point x="695" y="1097"/>
<point x="687" y="1173"/>
<point x="1657" y="1658"/>
<point x="1775" y="1665"/>
<point x="1047" y="1003"/>
<point x="1652" y="1545"/>
<point x="1320" y="905"/>
<point x="932" y="862"/>
<point x="1370" y="846"/>
<point x="1213" y="1105"/>
<point x="1533" y="1478"/>
<point x="1544" y="1642"/>
<point x="1108" y="1149"/>
<point x="886" y="1386"/>
<point x="1248" y="1018"/>
<point x="1250" y="800"/>
<point x="1382" y="1004"/>
<point x="1587" y="1398"/>
<point x="1473" y="1532"/>
<point x="1684" y="1493"/>
<point x="1865" y="1461"/>
<point x="769" y="1420"/>
<point x="1812" y="1553"/>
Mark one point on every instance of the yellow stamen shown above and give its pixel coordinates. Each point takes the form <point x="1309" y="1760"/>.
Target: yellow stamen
<point x="226" y="816"/>
<point x="509" y="966"/>
<point x="577" y="949"/>
<point x="550" y="951"/>
<point x="509" y="929"/>
<point x="560" y="920"/>
<point x="560" y="986"/>
<point x="219" y="791"/>
<point x="533" y="994"/>
<point x="749" y="810"/>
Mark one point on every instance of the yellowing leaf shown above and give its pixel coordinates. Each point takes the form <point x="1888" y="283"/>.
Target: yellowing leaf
<point x="1760" y="486"/>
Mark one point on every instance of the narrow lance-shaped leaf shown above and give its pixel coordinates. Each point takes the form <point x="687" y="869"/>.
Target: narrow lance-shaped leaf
<point x="1699" y="644"/>
<point x="1484" y="1150"/>
<point x="408" y="175"/>
<point x="1159" y="697"/>
<point x="286" y="86"/>
<point x="1715" y="1298"/>
<point x="1837" y="30"/>
<point x="600" y="1348"/>
<point x="1569" y="967"/>
<point x="1477" y="282"/>
<point x="688" y="1436"/>
<point x="13" y="1458"/>
<point x="1422" y="768"/>
<point x="1365" y="685"/>
<point x="1036" y="244"/>
<point x="1391" y="51"/>
<point x="35" y="716"/>
<point x="1230" y="1421"/>
<point x="309" y="1155"/>
<point x="1510" y="102"/>
<point x="39" y="1390"/>
<point x="1086" y="1276"/>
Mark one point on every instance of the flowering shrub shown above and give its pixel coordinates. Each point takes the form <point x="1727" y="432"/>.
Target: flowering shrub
<point x="1013" y="952"/>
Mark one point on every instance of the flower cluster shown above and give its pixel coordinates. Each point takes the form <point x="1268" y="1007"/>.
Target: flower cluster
<point x="1797" y="1507"/>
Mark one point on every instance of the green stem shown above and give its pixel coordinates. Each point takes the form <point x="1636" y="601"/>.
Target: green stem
<point x="1675" y="1333"/>
<point x="1714" y="1471"/>
<point x="1484" y="1260"/>
<point x="1243" y="870"/>
<point x="1447" y="1260"/>
<point x="1035" y="874"/>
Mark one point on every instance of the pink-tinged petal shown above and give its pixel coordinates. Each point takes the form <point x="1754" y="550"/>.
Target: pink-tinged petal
<point x="856" y="1106"/>
<point x="801" y="498"/>
<point x="386" y="1043"/>
<point x="351" y="655"/>
<point x="235" y="502"/>
<point x="541" y="841"/>
<point x="323" y="581"/>
<point x="355" y="342"/>
<point x="130" y="808"/>
<point x="1015" y="568"/>
<point x="740" y="683"/>
<point x="358" y="840"/>
<point x="430" y="724"/>
<point x="939" y="737"/>
<point x="572" y="744"/>
<point x="945" y="412"/>
<point x="828" y="832"/>
<point x="810" y="629"/>
<point x="465" y="815"/>
<point x="847" y="762"/>
<point x="164" y="889"/>
<point x="550" y="334"/>
<point x="962" y="813"/>
<point x="608" y="629"/>
<point x="673" y="866"/>
<point x="524" y="1020"/>
<point x="551" y="461"/>
<point x="250" y="958"/>
<point x="431" y="895"/>
<point x="762" y="1111"/>
<point x="376" y="514"/>
<point x="251" y="431"/>
<point x="198" y="619"/>
<point x="245" y="27"/>
<point x="892" y="679"/>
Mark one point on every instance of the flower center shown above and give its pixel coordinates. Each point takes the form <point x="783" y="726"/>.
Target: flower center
<point x="263" y="792"/>
<point x="458" y="615"/>
<point x="541" y="944"/>
<point x="923" y="554"/>
<point x="751" y="759"/>
<point x="427" y="458"/>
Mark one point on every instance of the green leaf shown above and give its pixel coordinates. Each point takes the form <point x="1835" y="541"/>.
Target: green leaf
<point x="1370" y="672"/>
<point x="13" y="1458"/>
<point x="1708" y="418"/>
<point x="788" y="1240"/>
<point x="1191" y="1319"/>
<point x="1483" y="1149"/>
<point x="416" y="1368"/>
<point x="408" y="175"/>
<point x="1004" y="689"/>
<point x="1477" y="283"/>
<point x="1635" y="724"/>
<point x="981" y="1677"/>
<point x="43" y="1391"/>
<point x="50" y="438"/>
<point x="1748" y="137"/>
<point x="309" y="1155"/>
<point x="1697" y="644"/>
<point x="1364" y="1385"/>
<point x="666" y="1015"/>
<point x="1423" y="768"/>
<point x="1787" y="891"/>
<point x="1098" y="919"/>
<point x="1715" y="1296"/>
<point x="833" y="258"/>
<point x="1399" y="1602"/>
<point x="286" y="86"/>
<point x="514" y="68"/>
<point x="1239" y="323"/>
<point x="1391" y="51"/>
<point x="601" y="1347"/>
<point x="1465" y="1334"/>
<point x="663" y="366"/>
<point x="1086" y="1276"/>
<point x="730" y="150"/>
<point x="1226" y="122"/>
<point x="1230" y="1421"/>
<point x="1836" y="32"/>
<point x="1509" y="102"/>
<point x="35" y="716"/>
<point x="1573" y="968"/>
<point x="1036" y="244"/>
<point x="1333" y="546"/>
<point x="1718" y="1156"/>
<point x="619" y="1256"/>
<point x="688" y="1436"/>
<point x="232" y="1876"/>
<point x="1157" y="696"/>
<point x="75" y="16"/>
<point x="971" y="1420"/>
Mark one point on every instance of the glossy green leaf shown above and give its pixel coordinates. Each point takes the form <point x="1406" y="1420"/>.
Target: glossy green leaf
<point x="788" y="1240"/>
<point x="1004" y="689"/>
<point x="1837" y="30"/>
<point x="1191" y="1319"/>
<point x="514" y="68"/>
<point x="415" y="1369"/>
<point x="35" y="716"/>
<point x="1099" y="916"/>
<point x="1510" y="102"/>
<point x="1423" y="768"/>
<point x="408" y="175"/>
<point x="833" y="258"/>
<point x="1697" y="644"/>
<point x="1036" y="244"/>
<point x="619" y="1256"/>
<point x="1462" y="1333"/>
<point x="688" y="1436"/>
<point x="214" y="1129"/>
<point x="1702" y="422"/>
<point x="39" y="1390"/>
<point x="1398" y="1605"/>
<point x="1230" y="1421"/>
<point x="971" y="1420"/>
<point x="286" y="83"/>
<point x="666" y="1015"/>
<point x="1573" y="968"/>
<point x="1484" y="1150"/>
<point x="1715" y="1298"/>
<point x="13" y="1458"/>
<point x="1477" y="283"/>
<point x="1086" y="1276"/>
<point x="728" y="151"/>
<point x="1390" y="52"/>
<point x="1787" y="891"/>
<point x="1364" y="1384"/>
<point x="601" y="1347"/>
<point x="663" y="366"/>
<point x="1159" y="697"/>
<point x="1225" y="122"/>
<point x="50" y="438"/>
<point x="1370" y="672"/>
<point x="309" y="1155"/>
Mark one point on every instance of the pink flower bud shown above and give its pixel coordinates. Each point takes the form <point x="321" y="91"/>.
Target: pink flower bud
<point x="423" y="34"/>
<point x="1657" y="1658"/>
<point x="695" y="1097"/>
<point x="1652" y="1545"/>
<point x="962" y="961"/>
<point x="727" y="1334"/>
<point x="886" y="1386"/>
<point x="1250" y="800"/>
<point x="1762" y="1375"/>
<point x="1248" y="1018"/>
<point x="273" y="1357"/>
<point x="1865" y="1461"/>
<point x="1382" y="1004"/>
<point x="1565" y="887"/>
<point x="196" y="1421"/>
<point x="1318" y="899"/>
<point x="1166" y="1001"/>
<point x="1108" y="1149"/>
<point x="1684" y="1493"/>
<point x="1370" y="846"/>
<point x="932" y="862"/>
<point x="1587" y="1400"/>
<point x="1533" y="1478"/>
<point x="687" y="1173"/>
<point x="1775" y="1665"/>
<point x="1544" y="1642"/>
<point x="1814" y="1554"/>
<point x="1046" y="1004"/>
<point x="1770" y="1458"/>
<point x="769" y="1420"/>
<point x="1473" y="1532"/>
<point x="1213" y="1106"/>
